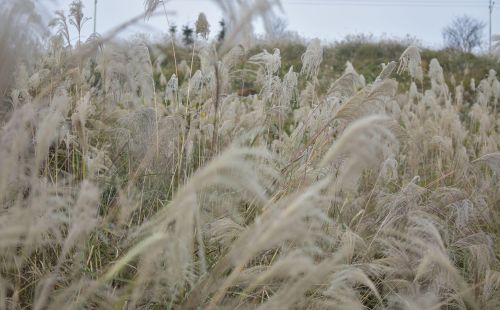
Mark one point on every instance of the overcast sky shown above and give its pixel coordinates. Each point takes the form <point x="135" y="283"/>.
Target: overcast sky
<point x="325" y="19"/>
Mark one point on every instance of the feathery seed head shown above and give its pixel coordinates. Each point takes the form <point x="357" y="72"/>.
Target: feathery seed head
<point x="312" y="58"/>
<point x="172" y="89"/>
<point x="202" y="26"/>
<point x="410" y="61"/>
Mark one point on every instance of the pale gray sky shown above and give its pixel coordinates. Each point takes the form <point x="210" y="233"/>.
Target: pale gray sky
<point x="326" y="19"/>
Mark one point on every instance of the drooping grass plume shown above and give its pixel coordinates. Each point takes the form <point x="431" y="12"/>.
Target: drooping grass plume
<point x="131" y="180"/>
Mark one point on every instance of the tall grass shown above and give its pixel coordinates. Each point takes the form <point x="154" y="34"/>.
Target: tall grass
<point x="125" y="186"/>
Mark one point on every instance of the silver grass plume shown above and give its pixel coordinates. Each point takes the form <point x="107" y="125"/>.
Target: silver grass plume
<point x="410" y="61"/>
<point x="172" y="89"/>
<point x="437" y="78"/>
<point x="347" y="85"/>
<point x="49" y="128"/>
<point x="288" y="87"/>
<point x="140" y="71"/>
<point x="171" y="231"/>
<point x="436" y="72"/>
<point x="76" y="17"/>
<point x="61" y="23"/>
<point x="492" y="160"/>
<point x="21" y="28"/>
<point x="270" y="62"/>
<point x="239" y="15"/>
<point x="359" y="147"/>
<point x="290" y="222"/>
<point x="233" y="57"/>
<point x="202" y="26"/>
<point x="150" y="6"/>
<point x="387" y="70"/>
<point x="312" y="58"/>
<point x="369" y="100"/>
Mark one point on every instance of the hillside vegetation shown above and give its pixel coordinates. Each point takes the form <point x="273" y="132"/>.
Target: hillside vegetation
<point x="338" y="185"/>
<point x="366" y="56"/>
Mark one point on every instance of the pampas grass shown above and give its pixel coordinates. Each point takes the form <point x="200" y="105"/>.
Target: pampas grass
<point x="125" y="185"/>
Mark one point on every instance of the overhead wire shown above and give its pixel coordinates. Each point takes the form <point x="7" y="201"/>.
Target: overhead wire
<point x="386" y="3"/>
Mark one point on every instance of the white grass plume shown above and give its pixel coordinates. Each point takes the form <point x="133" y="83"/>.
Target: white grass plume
<point x="410" y="61"/>
<point x="312" y="59"/>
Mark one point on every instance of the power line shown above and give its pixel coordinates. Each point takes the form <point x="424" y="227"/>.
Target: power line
<point x="372" y="1"/>
<point x="385" y="3"/>
<point x="395" y="2"/>
<point x="388" y="3"/>
<point x="354" y="2"/>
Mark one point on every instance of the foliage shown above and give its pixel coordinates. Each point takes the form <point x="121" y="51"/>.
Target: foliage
<point x="187" y="35"/>
<point x="465" y="34"/>
<point x="222" y="32"/>
<point x="128" y="183"/>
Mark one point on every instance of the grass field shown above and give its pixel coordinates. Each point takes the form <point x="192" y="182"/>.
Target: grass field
<point x="134" y="175"/>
